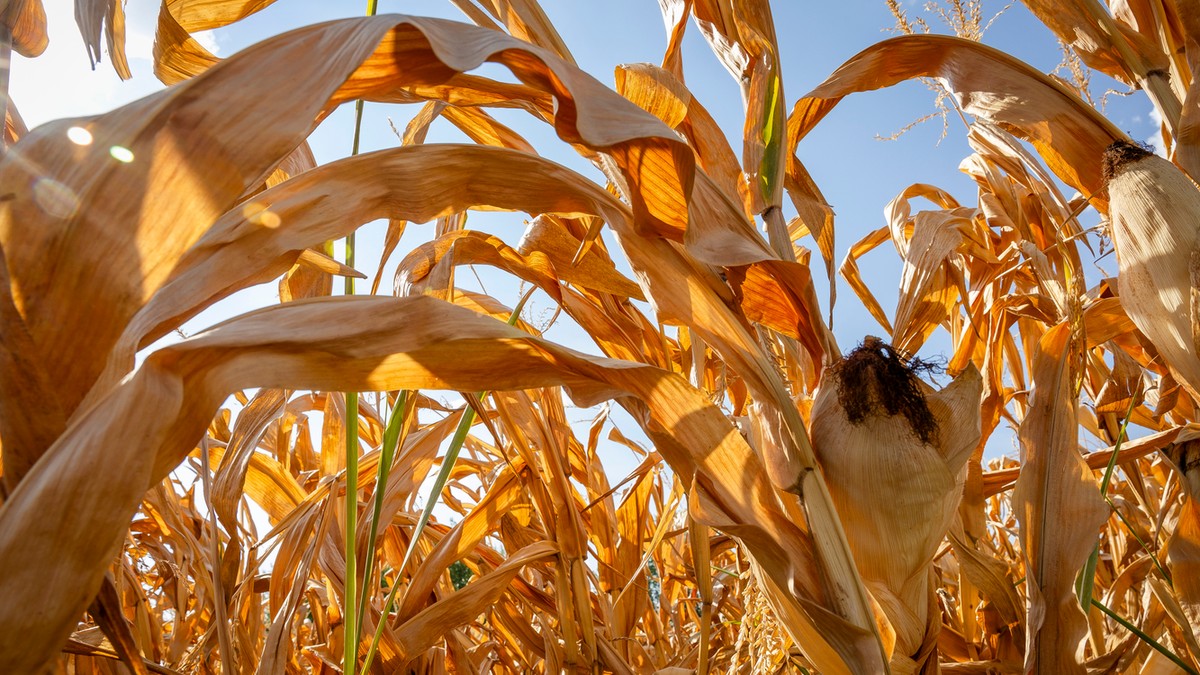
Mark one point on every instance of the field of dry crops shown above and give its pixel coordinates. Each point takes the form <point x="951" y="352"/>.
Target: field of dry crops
<point x="355" y="480"/>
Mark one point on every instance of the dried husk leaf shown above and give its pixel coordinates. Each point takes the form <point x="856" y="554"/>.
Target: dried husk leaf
<point x="14" y="125"/>
<point x="289" y="576"/>
<point x="1088" y="27"/>
<point x="706" y="137"/>
<point x="177" y="55"/>
<point x="122" y="191"/>
<point x="929" y="283"/>
<point x="162" y="215"/>
<point x="426" y="628"/>
<point x="896" y="493"/>
<point x="92" y="15"/>
<point x="1183" y="548"/>
<point x="197" y="15"/>
<point x="814" y="213"/>
<point x="524" y="19"/>
<point x="1155" y="225"/>
<point x="742" y="35"/>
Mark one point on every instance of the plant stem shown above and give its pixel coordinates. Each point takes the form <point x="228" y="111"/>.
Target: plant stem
<point x="349" y="614"/>
<point x="1144" y="637"/>
<point x="456" y="443"/>
<point x="391" y="441"/>
<point x="214" y="551"/>
<point x="5" y="69"/>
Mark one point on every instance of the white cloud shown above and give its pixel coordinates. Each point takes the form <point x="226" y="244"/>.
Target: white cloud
<point x="1155" y="140"/>
<point x="208" y="40"/>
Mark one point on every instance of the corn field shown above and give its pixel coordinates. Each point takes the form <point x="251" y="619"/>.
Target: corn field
<point x="388" y="476"/>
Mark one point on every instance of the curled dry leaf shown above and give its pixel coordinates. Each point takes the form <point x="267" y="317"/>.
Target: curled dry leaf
<point x="1069" y="134"/>
<point x="109" y="15"/>
<point x="1183" y="549"/>
<point x="153" y="241"/>
<point x="26" y="23"/>
<point x="177" y="55"/>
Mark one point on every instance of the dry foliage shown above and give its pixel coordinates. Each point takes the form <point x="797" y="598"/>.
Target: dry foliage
<point x="797" y="511"/>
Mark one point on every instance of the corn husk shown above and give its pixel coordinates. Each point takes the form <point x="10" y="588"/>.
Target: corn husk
<point x="1155" y="214"/>
<point x="895" y="493"/>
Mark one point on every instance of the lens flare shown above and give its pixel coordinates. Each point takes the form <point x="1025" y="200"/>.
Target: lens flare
<point x="54" y="198"/>
<point x="121" y="153"/>
<point x="259" y="214"/>
<point x="79" y="136"/>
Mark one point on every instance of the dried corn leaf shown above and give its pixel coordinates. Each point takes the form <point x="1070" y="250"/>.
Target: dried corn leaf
<point x="1104" y="43"/>
<point x="26" y="23"/>
<point x="431" y="625"/>
<point x="177" y="55"/>
<point x="1183" y="549"/>
<point x="342" y="344"/>
<point x="161" y="223"/>
<point x="92" y="15"/>
<point x="1058" y="504"/>
<point x="1069" y="134"/>
<point x="742" y="35"/>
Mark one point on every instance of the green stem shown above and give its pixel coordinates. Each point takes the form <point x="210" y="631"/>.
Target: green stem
<point x="1145" y="638"/>
<point x="387" y="453"/>
<point x="1087" y="576"/>
<point x="351" y="613"/>
<point x="456" y="442"/>
<point x="350" y="655"/>
<point x="349" y="616"/>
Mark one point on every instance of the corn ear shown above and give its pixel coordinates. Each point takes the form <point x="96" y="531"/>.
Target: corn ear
<point x="896" y="474"/>
<point x="1155" y="223"/>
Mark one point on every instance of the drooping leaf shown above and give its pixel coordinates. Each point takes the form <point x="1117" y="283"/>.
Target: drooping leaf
<point x="1058" y="506"/>
<point x="1069" y="134"/>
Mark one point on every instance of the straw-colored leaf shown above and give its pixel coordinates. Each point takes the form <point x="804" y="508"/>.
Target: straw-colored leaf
<point x="210" y="505"/>
<point x="26" y="23"/>
<point x="305" y="344"/>
<point x="150" y="203"/>
<point x="1070" y="135"/>
<point x="1183" y="550"/>
<point x="1058" y="504"/>
<point x="109" y="15"/>
<point x="1101" y="41"/>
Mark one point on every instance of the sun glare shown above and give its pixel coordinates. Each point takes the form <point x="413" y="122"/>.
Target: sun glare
<point x="121" y="153"/>
<point x="259" y="214"/>
<point x="79" y="136"/>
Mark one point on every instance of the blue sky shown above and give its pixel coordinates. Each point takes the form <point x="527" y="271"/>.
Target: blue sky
<point x="857" y="172"/>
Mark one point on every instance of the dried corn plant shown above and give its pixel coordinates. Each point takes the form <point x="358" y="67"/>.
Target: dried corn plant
<point x="255" y="498"/>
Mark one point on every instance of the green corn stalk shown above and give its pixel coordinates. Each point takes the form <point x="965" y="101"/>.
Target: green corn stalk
<point x="349" y="613"/>
<point x="456" y="443"/>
